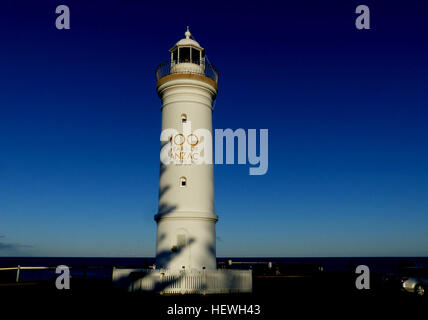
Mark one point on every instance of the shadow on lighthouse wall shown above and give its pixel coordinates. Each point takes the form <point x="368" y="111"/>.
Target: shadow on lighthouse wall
<point x="157" y="286"/>
<point x="164" y="207"/>
<point x="157" y="278"/>
<point x="167" y="256"/>
<point x="162" y="258"/>
<point x="160" y="280"/>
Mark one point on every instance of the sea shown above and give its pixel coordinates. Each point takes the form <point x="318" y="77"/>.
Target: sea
<point x="93" y="268"/>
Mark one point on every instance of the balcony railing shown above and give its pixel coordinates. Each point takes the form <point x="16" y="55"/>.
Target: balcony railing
<point x="203" y="68"/>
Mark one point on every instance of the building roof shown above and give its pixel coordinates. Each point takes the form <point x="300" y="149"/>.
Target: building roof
<point x="187" y="41"/>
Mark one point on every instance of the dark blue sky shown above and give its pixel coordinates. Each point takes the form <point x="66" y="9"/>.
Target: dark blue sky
<point x="346" y="112"/>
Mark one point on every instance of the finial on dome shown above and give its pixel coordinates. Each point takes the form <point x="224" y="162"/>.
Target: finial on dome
<point x="187" y="33"/>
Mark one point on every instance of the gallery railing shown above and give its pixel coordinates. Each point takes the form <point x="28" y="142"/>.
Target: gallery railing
<point x="197" y="67"/>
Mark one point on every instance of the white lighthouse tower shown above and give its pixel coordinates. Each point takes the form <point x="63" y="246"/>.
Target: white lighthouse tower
<point x="187" y="87"/>
<point x="186" y="238"/>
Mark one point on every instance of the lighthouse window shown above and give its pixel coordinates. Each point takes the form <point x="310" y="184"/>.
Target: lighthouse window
<point x="183" y="118"/>
<point x="183" y="182"/>
<point x="195" y="55"/>
<point x="184" y="54"/>
<point x="174" y="55"/>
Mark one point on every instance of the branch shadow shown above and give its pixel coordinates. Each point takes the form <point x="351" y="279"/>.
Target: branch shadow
<point x="133" y="281"/>
<point x="159" y="279"/>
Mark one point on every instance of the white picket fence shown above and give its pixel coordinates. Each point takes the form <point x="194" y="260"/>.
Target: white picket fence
<point x="184" y="282"/>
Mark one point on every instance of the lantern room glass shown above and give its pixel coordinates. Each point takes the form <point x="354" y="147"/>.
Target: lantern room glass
<point x="186" y="55"/>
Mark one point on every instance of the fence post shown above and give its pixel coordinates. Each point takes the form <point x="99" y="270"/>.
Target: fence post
<point x="17" y="273"/>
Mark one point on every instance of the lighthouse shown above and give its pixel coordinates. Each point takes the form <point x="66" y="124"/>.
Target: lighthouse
<point x="186" y="220"/>
<point x="187" y="88"/>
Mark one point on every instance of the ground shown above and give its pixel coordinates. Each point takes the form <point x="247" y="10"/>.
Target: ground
<point x="332" y="295"/>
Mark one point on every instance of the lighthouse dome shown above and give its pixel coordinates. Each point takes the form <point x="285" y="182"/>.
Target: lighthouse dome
<point x="187" y="41"/>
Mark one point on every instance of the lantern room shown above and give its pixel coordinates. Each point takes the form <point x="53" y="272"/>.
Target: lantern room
<point x="187" y="57"/>
<point x="187" y="51"/>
